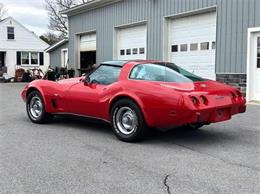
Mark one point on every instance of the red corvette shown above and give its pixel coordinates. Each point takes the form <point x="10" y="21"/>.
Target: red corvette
<point x="135" y="95"/>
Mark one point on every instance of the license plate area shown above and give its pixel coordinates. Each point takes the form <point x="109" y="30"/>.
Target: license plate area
<point x="222" y="114"/>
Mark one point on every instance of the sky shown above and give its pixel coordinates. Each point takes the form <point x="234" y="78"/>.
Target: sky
<point x="30" y="13"/>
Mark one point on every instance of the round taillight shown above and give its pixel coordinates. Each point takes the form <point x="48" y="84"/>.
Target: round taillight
<point x="239" y="94"/>
<point x="204" y="100"/>
<point x="232" y="95"/>
<point x="195" y="100"/>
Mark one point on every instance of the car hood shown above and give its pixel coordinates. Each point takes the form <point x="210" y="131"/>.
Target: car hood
<point x="70" y="81"/>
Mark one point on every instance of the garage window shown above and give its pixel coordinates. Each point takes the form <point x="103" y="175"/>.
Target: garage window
<point x="141" y="50"/>
<point x="174" y="48"/>
<point x="135" y="51"/>
<point x="122" y="52"/>
<point x="213" y="45"/>
<point x="184" y="47"/>
<point x="204" y="46"/>
<point x="128" y="52"/>
<point x="194" y="46"/>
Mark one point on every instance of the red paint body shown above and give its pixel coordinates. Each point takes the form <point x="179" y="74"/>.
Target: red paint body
<point x="164" y="105"/>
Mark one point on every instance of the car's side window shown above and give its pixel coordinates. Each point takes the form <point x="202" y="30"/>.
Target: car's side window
<point x="105" y="75"/>
<point x="148" y="72"/>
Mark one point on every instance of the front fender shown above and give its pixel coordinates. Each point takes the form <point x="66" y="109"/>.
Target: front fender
<point x="44" y="88"/>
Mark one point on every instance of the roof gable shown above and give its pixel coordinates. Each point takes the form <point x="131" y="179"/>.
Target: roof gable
<point x="24" y="28"/>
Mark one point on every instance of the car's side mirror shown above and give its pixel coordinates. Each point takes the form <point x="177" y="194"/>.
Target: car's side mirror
<point x="87" y="80"/>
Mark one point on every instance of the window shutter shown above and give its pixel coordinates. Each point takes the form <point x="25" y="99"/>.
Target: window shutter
<point x="41" y="58"/>
<point x="18" y="58"/>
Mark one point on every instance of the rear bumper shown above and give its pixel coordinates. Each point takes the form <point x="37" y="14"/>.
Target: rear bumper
<point x="217" y="114"/>
<point x="166" y="119"/>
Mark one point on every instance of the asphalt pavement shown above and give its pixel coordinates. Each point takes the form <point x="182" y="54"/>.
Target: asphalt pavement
<point x="72" y="155"/>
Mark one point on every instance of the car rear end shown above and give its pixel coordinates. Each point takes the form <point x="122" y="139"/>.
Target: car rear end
<point x="214" y="105"/>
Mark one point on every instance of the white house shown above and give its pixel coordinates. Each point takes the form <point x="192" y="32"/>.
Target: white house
<point x="20" y="48"/>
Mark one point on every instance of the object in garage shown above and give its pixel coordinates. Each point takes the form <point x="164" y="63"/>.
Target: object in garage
<point x="87" y="52"/>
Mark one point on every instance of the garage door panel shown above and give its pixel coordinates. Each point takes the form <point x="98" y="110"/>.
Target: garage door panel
<point x="189" y="30"/>
<point x="88" y="42"/>
<point x="132" y="38"/>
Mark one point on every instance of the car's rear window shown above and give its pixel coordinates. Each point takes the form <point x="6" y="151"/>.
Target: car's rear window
<point x="165" y="72"/>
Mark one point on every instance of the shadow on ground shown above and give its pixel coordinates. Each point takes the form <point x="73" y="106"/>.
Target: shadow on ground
<point x="205" y="135"/>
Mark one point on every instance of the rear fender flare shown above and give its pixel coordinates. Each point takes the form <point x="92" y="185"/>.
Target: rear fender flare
<point x="137" y="100"/>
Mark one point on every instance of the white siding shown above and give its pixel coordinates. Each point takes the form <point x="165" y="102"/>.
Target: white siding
<point x="24" y="41"/>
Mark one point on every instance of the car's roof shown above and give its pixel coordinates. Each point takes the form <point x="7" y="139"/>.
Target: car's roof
<point x="123" y="62"/>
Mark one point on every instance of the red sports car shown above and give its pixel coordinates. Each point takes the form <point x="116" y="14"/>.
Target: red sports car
<point x="136" y="95"/>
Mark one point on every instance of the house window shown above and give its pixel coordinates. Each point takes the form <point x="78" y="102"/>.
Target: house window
<point x="34" y="58"/>
<point x="10" y="33"/>
<point x="194" y="46"/>
<point x="25" y="58"/>
<point x="184" y="47"/>
<point x="30" y="58"/>
<point x="174" y="48"/>
<point x="204" y="46"/>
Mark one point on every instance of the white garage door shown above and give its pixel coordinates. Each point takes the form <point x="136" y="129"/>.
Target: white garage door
<point x="192" y="43"/>
<point x="88" y="42"/>
<point x="131" y="43"/>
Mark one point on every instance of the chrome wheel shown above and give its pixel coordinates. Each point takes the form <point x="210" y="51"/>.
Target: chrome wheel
<point x="35" y="107"/>
<point x="126" y="120"/>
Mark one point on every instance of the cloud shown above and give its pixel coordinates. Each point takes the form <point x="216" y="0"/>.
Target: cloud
<point x="30" y="13"/>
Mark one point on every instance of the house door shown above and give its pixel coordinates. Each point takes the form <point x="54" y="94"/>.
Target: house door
<point x="256" y="69"/>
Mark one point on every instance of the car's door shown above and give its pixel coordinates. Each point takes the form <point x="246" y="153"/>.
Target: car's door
<point x="84" y="98"/>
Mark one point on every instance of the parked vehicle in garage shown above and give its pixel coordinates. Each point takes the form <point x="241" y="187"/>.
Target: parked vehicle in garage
<point x="136" y="95"/>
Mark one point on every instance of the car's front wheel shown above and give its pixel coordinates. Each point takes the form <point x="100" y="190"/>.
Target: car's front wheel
<point x="127" y="121"/>
<point x="36" y="109"/>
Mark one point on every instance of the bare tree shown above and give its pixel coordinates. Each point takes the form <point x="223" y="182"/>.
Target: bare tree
<point x="50" y="38"/>
<point x="59" y="22"/>
<point x="3" y="11"/>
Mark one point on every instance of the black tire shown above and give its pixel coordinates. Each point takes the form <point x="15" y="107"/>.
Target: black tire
<point x="139" y="132"/>
<point x="195" y="126"/>
<point x="43" y="116"/>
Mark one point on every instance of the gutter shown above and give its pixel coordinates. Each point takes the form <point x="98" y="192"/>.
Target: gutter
<point x="94" y="4"/>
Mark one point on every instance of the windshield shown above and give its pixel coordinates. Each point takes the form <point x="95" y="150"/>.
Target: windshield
<point x="165" y="72"/>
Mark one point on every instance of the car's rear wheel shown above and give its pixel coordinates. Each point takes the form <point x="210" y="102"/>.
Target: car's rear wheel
<point x="127" y="121"/>
<point x="36" y="109"/>
<point x="195" y="126"/>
